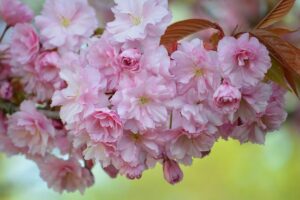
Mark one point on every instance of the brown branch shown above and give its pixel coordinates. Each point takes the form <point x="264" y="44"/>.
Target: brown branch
<point x="10" y="108"/>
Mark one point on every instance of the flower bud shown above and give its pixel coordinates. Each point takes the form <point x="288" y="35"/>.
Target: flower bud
<point x="172" y="171"/>
<point x="130" y="60"/>
<point x="111" y="171"/>
<point x="6" y="90"/>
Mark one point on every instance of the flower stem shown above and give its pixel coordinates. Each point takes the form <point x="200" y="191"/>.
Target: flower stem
<point x="10" y="108"/>
<point x="4" y="32"/>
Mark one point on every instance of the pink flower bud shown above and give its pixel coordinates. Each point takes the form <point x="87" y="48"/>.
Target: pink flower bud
<point x="227" y="98"/>
<point x="6" y="90"/>
<point x="13" y="12"/>
<point x="172" y="171"/>
<point x="111" y="171"/>
<point x="130" y="60"/>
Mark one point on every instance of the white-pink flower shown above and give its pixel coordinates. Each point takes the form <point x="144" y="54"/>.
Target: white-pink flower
<point x="30" y="129"/>
<point x="47" y="67"/>
<point x="41" y="78"/>
<point x="65" y="175"/>
<point x="102" y="55"/>
<point x="24" y="45"/>
<point x="138" y="152"/>
<point x="157" y="61"/>
<point x="195" y="66"/>
<point x="195" y="113"/>
<point x="103" y="125"/>
<point x="85" y="90"/>
<point x="102" y="152"/>
<point x="13" y="12"/>
<point x="184" y="146"/>
<point x="267" y="119"/>
<point x="6" y="144"/>
<point x="136" y="20"/>
<point x="254" y="100"/>
<point x="143" y="97"/>
<point x="65" y="24"/>
<point x="244" y="61"/>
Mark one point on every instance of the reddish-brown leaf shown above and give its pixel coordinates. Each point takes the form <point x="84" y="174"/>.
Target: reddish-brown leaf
<point x="277" y="13"/>
<point x="182" y="29"/>
<point x="281" y="31"/>
<point x="291" y="79"/>
<point x="283" y="52"/>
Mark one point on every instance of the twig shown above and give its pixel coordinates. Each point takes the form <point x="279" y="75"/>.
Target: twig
<point x="10" y="108"/>
<point x="3" y="33"/>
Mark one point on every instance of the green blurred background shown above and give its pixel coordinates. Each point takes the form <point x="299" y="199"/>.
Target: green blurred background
<point x="231" y="172"/>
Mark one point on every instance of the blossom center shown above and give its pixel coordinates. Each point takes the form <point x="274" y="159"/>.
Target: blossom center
<point x="198" y="72"/>
<point x="65" y="22"/>
<point x="135" y="20"/>
<point x="135" y="136"/>
<point x="243" y="58"/>
<point x="144" y="100"/>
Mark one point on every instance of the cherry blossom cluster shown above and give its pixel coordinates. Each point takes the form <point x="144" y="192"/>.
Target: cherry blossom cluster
<point x="120" y="99"/>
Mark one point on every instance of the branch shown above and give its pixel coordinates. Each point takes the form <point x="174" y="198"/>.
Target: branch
<point x="10" y="108"/>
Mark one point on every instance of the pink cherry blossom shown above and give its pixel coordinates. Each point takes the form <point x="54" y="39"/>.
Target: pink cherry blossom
<point x="184" y="146"/>
<point x="6" y="144"/>
<point x="137" y="150"/>
<point x="143" y="98"/>
<point x="172" y="171"/>
<point x="65" y="24"/>
<point x="254" y="100"/>
<point x="195" y="113"/>
<point x="244" y="61"/>
<point x="24" y="45"/>
<point x="103" y="125"/>
<point x="13" y="12"/>
<point x="105" y="153"/>
<point x="81" y="95"/>
<point x="47" y="66"/>
<point x="31" y="129"/>
<point x="270" y="119"/>
<point x="65" y="175"/>
<point x="102" y="55"/>
<point x="194" y="65"/>
<point x="227" y="98"/>
<point x="136" y="147"/>
<point x="157" y="61"/>
<point x="41" y="79"/>
<point x="135" y="20"/>
<point x="132" y="171"/>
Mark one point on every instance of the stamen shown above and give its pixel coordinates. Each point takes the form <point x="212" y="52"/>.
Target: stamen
<point x="65" y="22"/>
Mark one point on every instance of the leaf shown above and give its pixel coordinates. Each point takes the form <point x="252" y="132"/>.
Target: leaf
<point x="282" y="8"/>
<point x="182" y="29"/>
<point x="284" y="53"/>
<point x="281" y="31"/>
<point x="277" y="75"/>
<point x="292" y="80"/>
